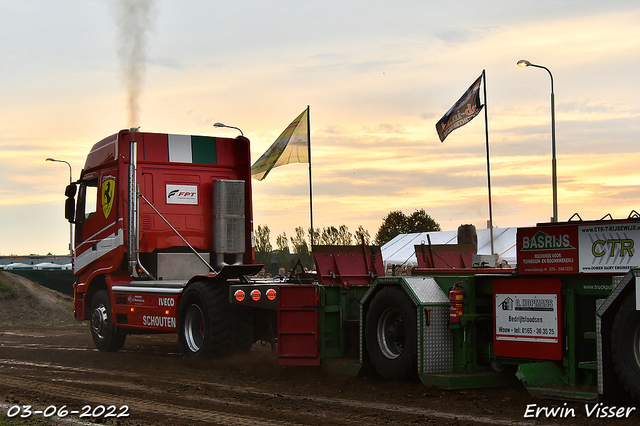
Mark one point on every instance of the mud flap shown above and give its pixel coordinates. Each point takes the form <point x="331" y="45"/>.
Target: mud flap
<point x="298" y="331"/>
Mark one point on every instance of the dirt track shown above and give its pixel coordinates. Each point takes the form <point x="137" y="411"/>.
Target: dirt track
<point x="55" y="366"/>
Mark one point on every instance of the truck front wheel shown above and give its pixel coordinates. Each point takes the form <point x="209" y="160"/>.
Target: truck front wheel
<point x="625" y="345"/>
<point x="103" y="330"/>
<point x="391" y="336"/>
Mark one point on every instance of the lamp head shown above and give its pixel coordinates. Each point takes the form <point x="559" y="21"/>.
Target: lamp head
<point x="523" y="63"/>
<point x="228" y="127"/>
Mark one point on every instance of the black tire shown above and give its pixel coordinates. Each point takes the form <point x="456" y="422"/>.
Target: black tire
<point x="209" y="326"/>
<point x="391" y="334"/>
<point x="625" y="346"/>
<point x="103" y="330"/>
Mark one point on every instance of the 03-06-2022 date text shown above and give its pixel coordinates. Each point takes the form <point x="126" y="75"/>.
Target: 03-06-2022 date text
<point x="87" y="411"/>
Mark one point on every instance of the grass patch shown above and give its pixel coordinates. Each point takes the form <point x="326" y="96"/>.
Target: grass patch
<point x="6" y="291"/>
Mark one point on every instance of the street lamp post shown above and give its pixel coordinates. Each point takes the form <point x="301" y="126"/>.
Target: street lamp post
<point x="70" y="181"/>
<point x="228" y="127"/>
<point x="554" y="175"/>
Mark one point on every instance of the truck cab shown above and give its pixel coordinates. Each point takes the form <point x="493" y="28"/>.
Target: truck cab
<point x="151" y="212"/>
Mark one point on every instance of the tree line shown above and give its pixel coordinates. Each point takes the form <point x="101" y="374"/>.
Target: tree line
<point x="298" y="246"/>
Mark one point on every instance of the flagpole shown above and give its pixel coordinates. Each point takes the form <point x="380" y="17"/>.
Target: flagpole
<point x="486" y="131"/>
<point x="310" y="188"/>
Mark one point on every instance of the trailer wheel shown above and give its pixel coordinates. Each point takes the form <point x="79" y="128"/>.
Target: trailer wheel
<point x="625" y="346"/>
<point x="103" y="330"/>
<point x="209" y="326"/>
<point x="390" y="332"/>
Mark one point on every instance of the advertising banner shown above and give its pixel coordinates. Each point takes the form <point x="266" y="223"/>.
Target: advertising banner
<point x="548" y="250"/>
<point x="608" y="247"/>
<point x="528" y="317"/>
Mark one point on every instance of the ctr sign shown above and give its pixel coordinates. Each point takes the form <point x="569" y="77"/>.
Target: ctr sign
<point x="608" y="248"/>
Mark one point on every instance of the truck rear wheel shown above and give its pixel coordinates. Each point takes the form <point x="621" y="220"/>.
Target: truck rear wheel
<point x="390" y="332"/>
<point x="625" y="345"/>
<point x="103" y="330"/>
<point x="209" y="326"/>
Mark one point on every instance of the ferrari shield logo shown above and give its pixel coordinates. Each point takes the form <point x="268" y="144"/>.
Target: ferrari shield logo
<point x="108" y="192"/>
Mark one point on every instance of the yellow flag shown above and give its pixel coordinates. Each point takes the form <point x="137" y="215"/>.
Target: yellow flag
<point x="292" y="146"/>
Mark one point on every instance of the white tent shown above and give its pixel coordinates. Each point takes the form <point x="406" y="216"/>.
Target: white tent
<point x="17" y="265"/>
<point x="47" y="265"/>
<point x="401" y="249"/>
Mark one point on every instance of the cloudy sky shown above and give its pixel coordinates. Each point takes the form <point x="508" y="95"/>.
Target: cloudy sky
<point x="377" y="76"/>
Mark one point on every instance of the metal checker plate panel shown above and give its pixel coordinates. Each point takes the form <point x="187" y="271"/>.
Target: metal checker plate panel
<point x="426" y="290"/>
<point x="618" y="285"/>
<point x="437" y="341"/>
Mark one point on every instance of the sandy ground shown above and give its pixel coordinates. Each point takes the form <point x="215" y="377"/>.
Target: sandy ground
<point x="48" y="362"/>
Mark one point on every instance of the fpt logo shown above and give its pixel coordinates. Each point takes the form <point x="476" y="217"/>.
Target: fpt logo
<point x="108" y="191"/>
<point x="182" y="194"/>
<point x="543" y="241"/>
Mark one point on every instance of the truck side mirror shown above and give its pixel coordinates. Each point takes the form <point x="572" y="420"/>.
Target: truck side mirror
<point x="70" y="202"/>
<point x="70" y="209"/>
<point x="70" y="190"/>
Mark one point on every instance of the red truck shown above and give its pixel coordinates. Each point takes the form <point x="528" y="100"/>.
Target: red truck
<point x="160" y="219"/>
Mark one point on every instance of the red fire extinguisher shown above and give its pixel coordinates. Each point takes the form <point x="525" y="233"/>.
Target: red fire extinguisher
<point x="456" y="309"/>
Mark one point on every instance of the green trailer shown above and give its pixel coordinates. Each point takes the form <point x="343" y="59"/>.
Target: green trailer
<point x="565" y="321"/>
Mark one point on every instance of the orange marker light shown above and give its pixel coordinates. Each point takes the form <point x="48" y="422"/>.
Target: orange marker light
<point x="271" y="294"/>
<point x="239" y="295"/>
<point x="255" y="295"/>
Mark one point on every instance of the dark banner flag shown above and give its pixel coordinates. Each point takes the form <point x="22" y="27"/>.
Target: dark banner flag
<point x="462" y="112"/>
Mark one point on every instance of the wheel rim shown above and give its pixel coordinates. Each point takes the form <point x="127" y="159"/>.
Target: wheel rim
<point x="99" y="321"/>
<point x="391" y="333"/>
<point x="194" y="328"/>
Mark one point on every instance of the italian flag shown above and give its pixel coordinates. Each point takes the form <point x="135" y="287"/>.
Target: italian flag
<point x="192" y="149"/>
